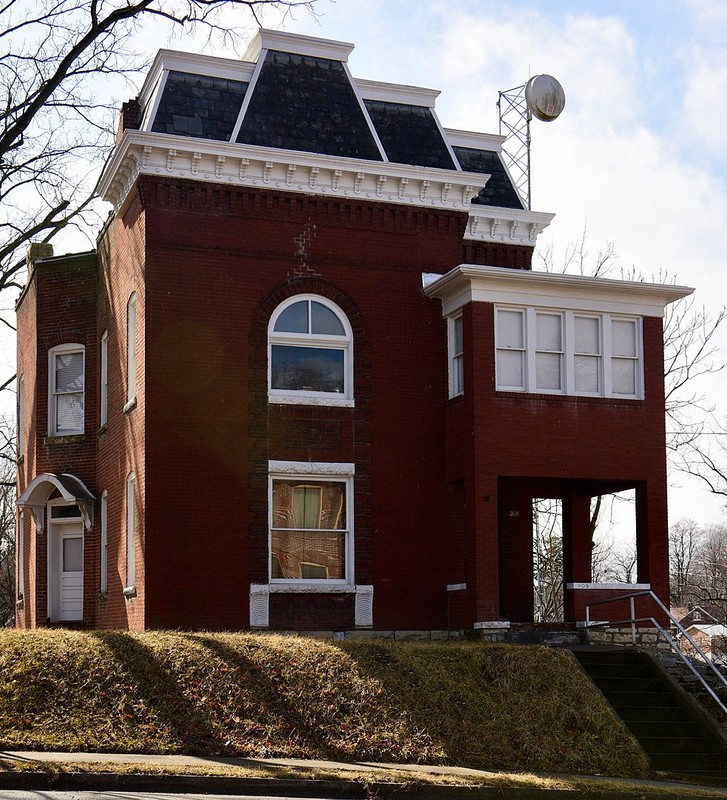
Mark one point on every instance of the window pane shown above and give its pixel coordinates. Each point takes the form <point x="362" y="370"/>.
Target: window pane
<point x="548" y="332"/>
<point x="308" y="554"/>
<point x="323" y="320"/>
<point x="457" y="375"/>
<point x="309" y="504"/>
<point x="587" y="374"/>
<point x="69" y="372"/>
<point x="311" y="369"/>
<point x="510" y="329"/>
<point x="623" y="376"/>
<point x="587" y="338"/>
<point x="510" y="368"/>
<point x="457" y="346"/>
<point x="73" y="554"/>
<point x="65" y="512"/>
<point x="623" y="334"/>
<point x="294" y="319"/>
<point x="547" y="371"/>
<point x="69" y="412"/>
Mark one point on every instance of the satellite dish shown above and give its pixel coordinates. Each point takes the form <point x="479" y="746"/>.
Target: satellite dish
<point x="544" y="97"/>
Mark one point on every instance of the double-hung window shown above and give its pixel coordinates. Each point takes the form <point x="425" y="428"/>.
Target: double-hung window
<point x="310" y="510"/>
<point x="568" y="352"/>
<point x="310" y="355"/>
<point x="456" y="355"/>
<point x="66" y="370"/>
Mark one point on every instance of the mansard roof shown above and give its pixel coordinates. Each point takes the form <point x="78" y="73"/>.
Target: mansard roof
<point x="291" y="116"/>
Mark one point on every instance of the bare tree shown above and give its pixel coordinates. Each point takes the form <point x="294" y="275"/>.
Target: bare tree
<point x="54" y="133"/>
<point x="685" y="538"/>
<point x="708" y="573"/>
<point x="7" y="522"/>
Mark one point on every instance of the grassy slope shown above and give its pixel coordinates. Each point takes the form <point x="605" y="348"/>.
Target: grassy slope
<point x="485" y="706"/>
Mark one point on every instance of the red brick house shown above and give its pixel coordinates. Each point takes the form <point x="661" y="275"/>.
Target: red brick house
<point x="308" y="379"/>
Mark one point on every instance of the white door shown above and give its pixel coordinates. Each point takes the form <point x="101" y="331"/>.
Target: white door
<point x="66" y="573"/>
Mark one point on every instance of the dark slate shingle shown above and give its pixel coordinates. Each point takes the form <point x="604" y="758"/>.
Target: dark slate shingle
<point x="199" y="105"/>
<point x="499" y="190"/>
<point x="307" y="103"/>
<point x="409" y="134"/>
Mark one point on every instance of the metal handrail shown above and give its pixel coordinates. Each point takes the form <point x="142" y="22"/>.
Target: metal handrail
<point x="668" y="638"/>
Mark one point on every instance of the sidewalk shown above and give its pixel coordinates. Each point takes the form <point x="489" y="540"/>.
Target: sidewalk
<point x="287" y="777"/>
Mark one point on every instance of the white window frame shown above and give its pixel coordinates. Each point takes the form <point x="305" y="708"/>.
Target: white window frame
<point x="20" y="553"/>
<point x="324" y="342"/>
<point x="455" y="356"/>
<point x="21" y="417"/>
<point x="104" y="545"/>
<point x="104" y="380"/>
<point x="130" y="588"/>
<point x="53" y="353"/>
<point x="605" y="356"/>
<point x="130" y="352"/>
<point x="320" y="472"/>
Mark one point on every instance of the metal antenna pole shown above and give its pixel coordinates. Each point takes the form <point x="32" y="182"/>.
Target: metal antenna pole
<point x="515" y="116"/>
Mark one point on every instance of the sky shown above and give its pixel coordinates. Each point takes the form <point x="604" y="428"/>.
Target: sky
<point x="636" y="160"/>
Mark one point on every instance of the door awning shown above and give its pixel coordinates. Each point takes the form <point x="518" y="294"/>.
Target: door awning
<point x="72" y="490"/>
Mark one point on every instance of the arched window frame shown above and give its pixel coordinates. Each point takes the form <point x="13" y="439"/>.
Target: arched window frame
<point x="131" y="352"/>
<point x="104" y="380"/>
<point x="342" y="343"/>
<point x="130" y="587"/>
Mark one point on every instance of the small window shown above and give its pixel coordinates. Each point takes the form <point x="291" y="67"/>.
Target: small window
<point x="66" y="389"/>
<point x="104" y="382"/>
<point x="20" y="555"/>
<point x="131" y="351"/>
<point x="65" y="512"/>
<point x="456" y="356"/>
<point x="510" y="342"/>
<point x="21" y="417"/>
<point x="130" y="531"/>
<point x="310" y="353"/>
<point x="103" y="571"/>
<point x="310" y="529"/>
<point x="549" y="352"/>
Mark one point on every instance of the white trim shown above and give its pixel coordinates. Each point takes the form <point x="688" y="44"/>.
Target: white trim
<point x="475" y="140"/>
<point x="131" y="349"/>
<point x="397" y="93"/>
<point x="53" y="353"/>
<point x="455" y="359"/>
<point x="104" y="544"/>
<point x="506" y="225"/>
<point x="626" y="587"/>
<point x="130" y="502"/>
<point x="364" y="607"/>
<point x="342" y="343"/>
<point x="485" y="284"/>
<point x="303" y="468"/>
<point x="495" y="624"/>
<point x="259" y="605"/>
<point x="104" y="379"/>
<point x="310" y="587"/>
<point x="143" y="153"/>
<point x="456" y="587"/>
<point x="322" y="471"/>
<point x="254" y="77"/>
<point x="266" y="39"/>
<point x="20" y="556"/>
<point x="366" y="115"/>
<point x="149" y="112"/>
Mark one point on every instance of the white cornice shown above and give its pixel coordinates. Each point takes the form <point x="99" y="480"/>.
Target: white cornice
<point x="142" y="153"/>
<point x="295" y="43"/>
<point x="397" y="93"/>
<point x="476" y="283"/>
<point x="506" y="225"/>
<point x="477" y="141"/>
<point x="230" y="68"/>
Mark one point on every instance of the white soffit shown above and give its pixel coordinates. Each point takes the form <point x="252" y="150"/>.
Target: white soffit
<point x="485" y="284"/>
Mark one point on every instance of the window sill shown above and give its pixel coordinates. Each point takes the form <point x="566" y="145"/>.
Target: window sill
<point x="129" y="592"/>
<point x="130" y="406"/>
<point x="311" y="588"/>
<point x="73" y="438"/>
<point x="307" y="400"/>
<point x="559" y="396"/>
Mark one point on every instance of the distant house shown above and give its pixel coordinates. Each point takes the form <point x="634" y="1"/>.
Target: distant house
<point x="308" y="379"/>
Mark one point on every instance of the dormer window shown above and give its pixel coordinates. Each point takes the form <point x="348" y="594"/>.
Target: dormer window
<point x="310" y="353"/>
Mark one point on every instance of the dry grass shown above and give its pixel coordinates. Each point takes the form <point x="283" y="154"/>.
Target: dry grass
<point x="476" y="705"/>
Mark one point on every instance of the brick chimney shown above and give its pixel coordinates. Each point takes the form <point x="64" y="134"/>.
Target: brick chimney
<point x="129" y="118"/>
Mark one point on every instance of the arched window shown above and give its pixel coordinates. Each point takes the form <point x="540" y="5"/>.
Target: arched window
<point x="130" y="353"/>
<point x="130" y="588"/>
<point x="310" y="354"/>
